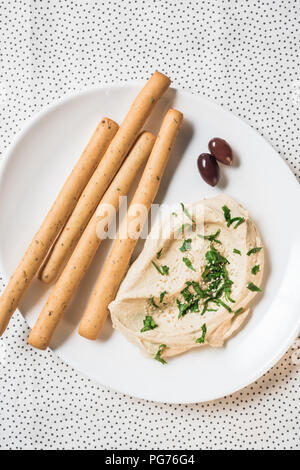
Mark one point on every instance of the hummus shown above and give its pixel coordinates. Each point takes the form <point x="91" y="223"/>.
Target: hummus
<point x="194" y="281"/>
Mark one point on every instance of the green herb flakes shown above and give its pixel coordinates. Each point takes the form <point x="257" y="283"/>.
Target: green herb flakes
<point x="163" y="270"/>
<point x="255" y="269"/>
<point x="188" y="263"/>
<point x="201" y="340"/>
<point x="238" y="311"/>
<point x="212" y="237"/>
<point x="152" y="302"/>
<point x="184" y="227"/>
<point x="227" y="214"/>
<point x="158" y="357"/>
<point x="186" y="246"/>
<point x="186" y="212"/>
<point x="229" y="220"/>
<point x="149" y="324"/>
<point x="253" y="287"/>
<point x="254" y="250"/>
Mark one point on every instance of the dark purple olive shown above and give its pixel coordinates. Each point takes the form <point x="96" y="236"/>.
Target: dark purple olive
<point x="221" y="150"/>
<point x="209" y="168"/>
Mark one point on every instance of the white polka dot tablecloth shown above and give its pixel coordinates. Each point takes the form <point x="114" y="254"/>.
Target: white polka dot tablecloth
<point x="243" y="55"/>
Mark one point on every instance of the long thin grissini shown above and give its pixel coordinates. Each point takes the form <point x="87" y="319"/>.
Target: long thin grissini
<point x="117" y="263"/>
<point x="55" y="220"/>
<point x="111" y="162"/>
<point x="88" y="244"/>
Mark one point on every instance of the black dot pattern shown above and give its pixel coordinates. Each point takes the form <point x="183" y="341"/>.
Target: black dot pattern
<point x="243" y="55"/>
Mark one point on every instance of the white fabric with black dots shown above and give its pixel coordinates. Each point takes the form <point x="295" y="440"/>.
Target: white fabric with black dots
<point x="243" y="55"/>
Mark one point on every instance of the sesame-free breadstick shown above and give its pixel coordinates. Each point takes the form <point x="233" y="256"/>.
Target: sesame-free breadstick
<point x="55" y="220"/>
<point x="88" y="244"/>
<point x="111" y="162"/>
<point x="117" y="263"/>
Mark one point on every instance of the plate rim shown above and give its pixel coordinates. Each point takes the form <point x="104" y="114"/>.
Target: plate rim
<point x="4" y="162"/>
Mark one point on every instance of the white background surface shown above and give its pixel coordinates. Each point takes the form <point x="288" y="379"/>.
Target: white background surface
<point x="245" y="56"/>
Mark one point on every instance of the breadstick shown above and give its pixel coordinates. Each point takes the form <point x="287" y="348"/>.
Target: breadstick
<point x="111" y="162"/>
<point x="55" y="220"/>
<point x="117" y="263"/>
<point x="88" y="244"/>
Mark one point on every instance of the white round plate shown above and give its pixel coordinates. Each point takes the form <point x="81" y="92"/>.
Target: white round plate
<point x="37" y="166"/>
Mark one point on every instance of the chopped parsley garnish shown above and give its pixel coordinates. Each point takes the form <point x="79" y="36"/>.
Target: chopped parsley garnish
<point x="187" y="295"/>
<point x="238" y="311"/>
<point x="196" y="287"/>
<point x="220" y="302"/>
<point x="238" y="220"/>
<point x="227" y="290"/>
<point x="186" y="246"/>
<point x="205" y="306"/>
<point x="174" y="214"/>
<point x="253" y="287"/>
<point x="254" y="250"/>
<point x="204" y="331"/>
<point x="152" y="302"/>
<point x="186" y="212"/>
<point x="215" y="301"/>
<point x="214" y="257"/>
<point x="184" y="308"/>
<point x="255" y="269"/>
<point x="194" y="308"/>
<point x="158" y="254"/>
<point x="216" y="283"/>
<point x="212" y="238"/>
<point x="183" y="227"/>
<point x="158" y="357"/>
<point x="162" y="296"/>
<point x="238" y="252"/>
<point x="163" y="270"/>
<point x="216" y="275"/>
<point x="229" y="220"/>
<point x="188" y="263"/>
<point x="191" y="299"/>
<point x="149" y="324"/>
<point x="227" y="214"/>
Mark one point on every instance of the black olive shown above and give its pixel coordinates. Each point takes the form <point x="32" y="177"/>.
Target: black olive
<point x="221" y="150"/>
<point x="209" y="168"/>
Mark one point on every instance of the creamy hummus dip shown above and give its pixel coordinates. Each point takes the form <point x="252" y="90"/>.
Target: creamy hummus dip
<point x="194" y="281"/>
